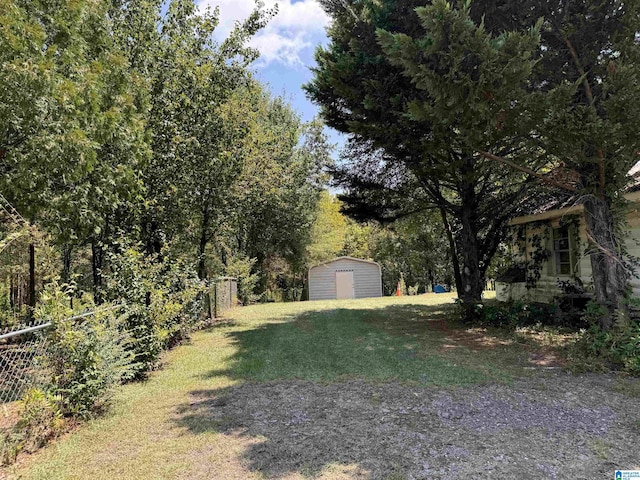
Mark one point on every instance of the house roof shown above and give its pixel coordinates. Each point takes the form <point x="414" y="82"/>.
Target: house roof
<point x="344" y="257"/>
<point x="569" y="203"/>
<point x="570" y="209"/>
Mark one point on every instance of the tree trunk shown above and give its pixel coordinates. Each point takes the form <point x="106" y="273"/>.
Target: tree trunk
<point x="454" y="251"/>
<point x="432" y="280"/>
<point x="202" y="266"/>
<point x="610" y="277"/>
<point x="67" y="250"/>
<point x="153" y="236"/>
<point x="32" y="278"/>
<point x="97" y="262"/>
<point x="470" y="292"/>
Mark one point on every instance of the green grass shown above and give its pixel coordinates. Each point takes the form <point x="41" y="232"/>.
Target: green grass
<point x="339" y="344"/>
<point x="401" y="339"/>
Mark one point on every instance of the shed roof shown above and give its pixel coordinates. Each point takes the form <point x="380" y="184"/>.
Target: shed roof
<point x="344" y="257"/>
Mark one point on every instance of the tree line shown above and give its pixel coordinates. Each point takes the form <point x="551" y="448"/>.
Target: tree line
<point x="127" y="123"/>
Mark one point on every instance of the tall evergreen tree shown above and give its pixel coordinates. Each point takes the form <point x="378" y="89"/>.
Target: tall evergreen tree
<point x="421" y="93"/>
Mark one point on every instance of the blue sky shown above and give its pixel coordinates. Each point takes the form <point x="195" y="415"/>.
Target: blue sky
<point x="286" y="46"/>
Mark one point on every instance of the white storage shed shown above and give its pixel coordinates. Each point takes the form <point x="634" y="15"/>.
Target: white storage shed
<point x="345" y="277"/>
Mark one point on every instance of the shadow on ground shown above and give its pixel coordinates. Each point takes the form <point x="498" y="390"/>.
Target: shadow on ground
<point x="414" y="343"/>
<point x="372" y="393"/>
<point x="358" y="429"/>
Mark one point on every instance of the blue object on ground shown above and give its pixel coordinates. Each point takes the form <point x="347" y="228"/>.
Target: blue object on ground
<point x="439" y="289"/>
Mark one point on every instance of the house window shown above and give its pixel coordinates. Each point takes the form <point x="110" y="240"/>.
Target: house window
<point x="562" y="252"/>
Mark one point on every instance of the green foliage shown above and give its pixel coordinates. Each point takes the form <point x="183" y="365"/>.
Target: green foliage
<point x="98" y="138"/>
<point x="276" y="193"/>
<point x="40" y="421"/>
<point x="619" y="346"/>
<point x="164" y="301"/>
<point x="241" y="268"/>
<point x="358" y="239"/>
<point x="147" y="152"/>
<point x="402" y="285"/>
<point x="329" y="230"/>
<point x="589" y="61"/>
<point x="515" y="314"/>
<point x="86" y="359"/>
<point x="414" y="248"/>
<point x="422" y="92"/>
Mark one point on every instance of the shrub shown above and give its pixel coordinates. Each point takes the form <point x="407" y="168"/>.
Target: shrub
<point x="620" y="346"/>
<point x="514" y="314"/>
<point x="86" y="359"/>
<point x="40" y="421"/>
<point x="164" y="298"/>
<point x="402" y="285"/>
<point x="241" y="268"/>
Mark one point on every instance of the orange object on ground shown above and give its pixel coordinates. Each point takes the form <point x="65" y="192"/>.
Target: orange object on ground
<point x="398" y="291"/>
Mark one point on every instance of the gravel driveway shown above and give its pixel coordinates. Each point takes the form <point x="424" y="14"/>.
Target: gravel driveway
<point x="554" y="425"/>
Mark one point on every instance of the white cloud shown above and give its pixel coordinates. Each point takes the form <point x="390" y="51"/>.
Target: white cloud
<point x="296" y="27"/>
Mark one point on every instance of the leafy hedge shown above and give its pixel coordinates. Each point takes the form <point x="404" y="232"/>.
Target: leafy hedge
<point x="165" y="302"/>
<point x="618" y="347"/>
<point x="514" y="314"/>
<point x="160" y="301"/>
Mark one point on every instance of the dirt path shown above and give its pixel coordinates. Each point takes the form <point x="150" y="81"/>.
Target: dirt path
<point x="557" y="427"/>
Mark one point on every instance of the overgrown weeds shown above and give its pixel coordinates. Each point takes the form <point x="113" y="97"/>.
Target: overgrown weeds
<point x="41" y="420"/>
<point x="588" y="347"/>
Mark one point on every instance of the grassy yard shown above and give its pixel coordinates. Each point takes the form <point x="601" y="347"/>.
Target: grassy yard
<point x="162" y="428"/>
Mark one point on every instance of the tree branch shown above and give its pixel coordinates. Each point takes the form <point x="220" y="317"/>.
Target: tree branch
<point x="528" y="171"/>
<point x="583" y="74"/>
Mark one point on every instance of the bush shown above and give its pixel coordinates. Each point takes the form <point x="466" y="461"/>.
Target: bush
<point x="620" y="346"/>
<point x="241" y="268"/>
<point x="86" y="359"/>
<point x="514" y="314"/>
<point x="160" y="302"/>
<point x="165" y="302"/>
<point x="40" y="421"/>
<point x="402" y="285"/>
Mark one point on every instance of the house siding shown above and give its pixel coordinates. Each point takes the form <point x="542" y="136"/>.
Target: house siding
<point x="547" y="286"/>
<point x="366" y="278"/>
<point x="633" y="243"/>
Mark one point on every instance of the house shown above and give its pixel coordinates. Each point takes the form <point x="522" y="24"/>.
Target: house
<point x="345" y="277"/>
<point x="551" y="243"/>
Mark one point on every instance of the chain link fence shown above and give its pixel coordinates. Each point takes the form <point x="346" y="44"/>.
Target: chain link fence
<point x="21" y="349"/>
<point x="22" y="346"/>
